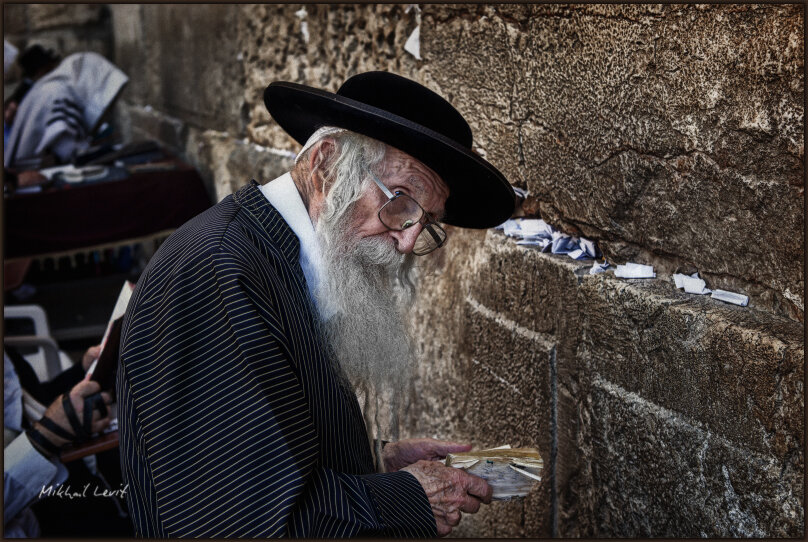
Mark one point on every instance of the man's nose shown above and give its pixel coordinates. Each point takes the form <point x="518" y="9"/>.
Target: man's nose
<point x="405" y="239"/>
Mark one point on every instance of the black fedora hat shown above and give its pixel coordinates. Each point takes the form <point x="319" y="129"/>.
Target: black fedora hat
<point x="411" y="118"/>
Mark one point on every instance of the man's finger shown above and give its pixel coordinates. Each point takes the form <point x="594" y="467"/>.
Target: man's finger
<point x="470" y="504"/>
<point x="443" y="447"/>
<point x="478" y="487"/>
<point x="443" y="527"/>
<point x="98" y="425"/>
<point x="107" y="397"/>
<point x="453" y="518"/>
<point x="85" y="388"/>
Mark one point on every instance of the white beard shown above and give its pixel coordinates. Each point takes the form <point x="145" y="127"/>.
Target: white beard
<point x="361" y="286"/>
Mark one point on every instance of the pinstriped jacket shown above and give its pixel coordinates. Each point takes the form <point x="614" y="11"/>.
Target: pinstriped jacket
<point x="232" y="420"/>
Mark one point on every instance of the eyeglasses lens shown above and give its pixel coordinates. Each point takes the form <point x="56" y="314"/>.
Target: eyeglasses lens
<point x="430" y="238"/>
<point x="400" y="213"/>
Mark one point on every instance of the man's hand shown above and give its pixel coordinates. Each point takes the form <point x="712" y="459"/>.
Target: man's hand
<point x="56" y="411"/>
<point x="450" y="492"/>
<point x="90" y="356"/>
<point x="397" y="455"/>
<point x="30" y="178"/>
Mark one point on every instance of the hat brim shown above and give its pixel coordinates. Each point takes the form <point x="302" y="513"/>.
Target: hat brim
<point x="480" y="196"/>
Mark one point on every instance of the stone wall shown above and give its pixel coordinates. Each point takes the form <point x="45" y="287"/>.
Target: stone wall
<point x="671" y="134"/>
<point x="64" y="28"/>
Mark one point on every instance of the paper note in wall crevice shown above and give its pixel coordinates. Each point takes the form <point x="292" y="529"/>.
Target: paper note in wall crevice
<point x="730" y="297"/>
<point x="634" y="271"/>
<point x="691" y="284"/>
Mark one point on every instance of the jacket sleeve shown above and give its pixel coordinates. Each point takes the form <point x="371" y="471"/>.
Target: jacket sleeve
<point x="27" y="475"/>
<point x="216" y="435"/>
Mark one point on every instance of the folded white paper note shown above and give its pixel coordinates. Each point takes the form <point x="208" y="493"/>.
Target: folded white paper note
<point x="692" y="284"/>
<point x="598" y="268"/>
<point x="730" y="297"/>
<point x="634" y="271"/>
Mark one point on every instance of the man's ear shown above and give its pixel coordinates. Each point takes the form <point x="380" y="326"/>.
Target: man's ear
<point x="319" y="156"/>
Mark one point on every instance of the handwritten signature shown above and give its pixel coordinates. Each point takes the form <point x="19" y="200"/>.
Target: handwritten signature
<point x="66" y="492"/>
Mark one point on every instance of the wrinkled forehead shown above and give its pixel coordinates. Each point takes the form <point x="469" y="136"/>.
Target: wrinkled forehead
<point x="426" y="184"/>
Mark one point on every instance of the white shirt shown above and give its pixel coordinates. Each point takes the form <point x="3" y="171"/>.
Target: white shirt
<point x="284" y="197"/>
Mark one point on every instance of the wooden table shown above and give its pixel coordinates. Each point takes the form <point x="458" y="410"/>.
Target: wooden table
<point x="99" y="444"/>
<point x="89" y="215"/>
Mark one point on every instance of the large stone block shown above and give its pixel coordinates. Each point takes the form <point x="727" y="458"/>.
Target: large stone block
<point x="188" y="63"/>
<point x="45" y="16"/>
<point x="15" y="19"/>
<point x="232" y="163"/>
<point x="733" y="369"/>
<point x="130" y="50"/>
<point x="148" y="123"/>
<point x="319" y="45"/>
<point x="659" y="473"/>
<point x="650" y="128"/>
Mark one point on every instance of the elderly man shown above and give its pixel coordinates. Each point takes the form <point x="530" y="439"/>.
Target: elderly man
<point x="254" y="323"/>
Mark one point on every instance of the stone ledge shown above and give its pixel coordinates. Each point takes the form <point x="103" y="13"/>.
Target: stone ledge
<point x="656" y="473"/>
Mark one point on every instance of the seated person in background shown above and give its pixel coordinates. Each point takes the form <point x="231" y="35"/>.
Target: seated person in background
<point x="36" y="62"/>
<point x="30" y="456"/>
<point x="62" y="110"/>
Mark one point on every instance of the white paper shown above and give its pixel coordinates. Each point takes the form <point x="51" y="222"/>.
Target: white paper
<point x="51" y="171"/>
<point x="537" y="232"/>
<point x="730" y="297"/>
<point x="634" y="271"/>
<point x="304" y="26"/>
<point x="588" y="247"/>
<point x="691" y="284"/>
<point x="598" y="268"/>
<point x="413" y="44"/>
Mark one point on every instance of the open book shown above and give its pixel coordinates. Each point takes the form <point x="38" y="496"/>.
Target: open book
<point x="511" y="472"/>
<point x="103" y="371"/>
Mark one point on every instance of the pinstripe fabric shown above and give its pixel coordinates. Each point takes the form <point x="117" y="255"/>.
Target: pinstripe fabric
<point x="232" y="421"/>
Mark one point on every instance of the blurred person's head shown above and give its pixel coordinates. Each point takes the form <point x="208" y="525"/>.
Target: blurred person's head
<point x="36" y="61"/>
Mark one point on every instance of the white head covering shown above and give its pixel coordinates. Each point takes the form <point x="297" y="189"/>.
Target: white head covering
<point x="9" y="55"/>
<point x="62" y="109"/>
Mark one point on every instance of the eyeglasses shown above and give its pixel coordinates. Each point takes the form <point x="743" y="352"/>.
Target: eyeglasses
<point x="401" y="212"/>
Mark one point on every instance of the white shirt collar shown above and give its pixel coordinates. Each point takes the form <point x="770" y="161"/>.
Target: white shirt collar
<point x="284" y="197"/>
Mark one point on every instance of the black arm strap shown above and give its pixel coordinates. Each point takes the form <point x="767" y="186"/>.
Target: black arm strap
<point x="92" y="402"/>
<point x="57" y="430"/>
<point x="70" y="412"/>
<point x="39" y="439"/>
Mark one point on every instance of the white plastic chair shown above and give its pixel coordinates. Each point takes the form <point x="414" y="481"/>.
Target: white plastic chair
<point x="48" y="361"/>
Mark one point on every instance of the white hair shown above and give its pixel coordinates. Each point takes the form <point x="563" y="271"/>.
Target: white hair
<point x="367" y="284"/>
<point x="346" y="177"/>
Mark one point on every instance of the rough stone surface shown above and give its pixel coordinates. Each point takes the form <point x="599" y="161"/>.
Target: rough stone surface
<point x="45" y="16"/>
<point x="237" y="162"/>
<point x="183" y="61"/>
<point x="674" y="132"/>
<point x="15" y="19"/>
<point x="339" y="41"/>
<point x="66" y="29"/>
<point x="671" y="415"/>
<point x="491" y="387"/>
